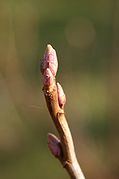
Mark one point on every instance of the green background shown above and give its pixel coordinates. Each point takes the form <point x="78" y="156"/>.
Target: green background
<point x="85" y="34"/>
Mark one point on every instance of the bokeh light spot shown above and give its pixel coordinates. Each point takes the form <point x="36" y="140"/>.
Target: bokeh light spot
<point x="80" y="33"/>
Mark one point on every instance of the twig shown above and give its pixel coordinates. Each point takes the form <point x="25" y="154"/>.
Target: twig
<point x="62" y="148"/>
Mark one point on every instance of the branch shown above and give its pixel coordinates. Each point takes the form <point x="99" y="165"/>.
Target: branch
<point x="62" y="148"/>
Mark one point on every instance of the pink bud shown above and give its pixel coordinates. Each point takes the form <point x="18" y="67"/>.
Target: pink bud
<point x="54" y="145"/>
<point x="61" y="96"/>
<point x="48" y="78"/>
<point x="50" y="60"/>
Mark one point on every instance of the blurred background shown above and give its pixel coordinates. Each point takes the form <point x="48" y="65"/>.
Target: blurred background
<point x="85" y="34"/>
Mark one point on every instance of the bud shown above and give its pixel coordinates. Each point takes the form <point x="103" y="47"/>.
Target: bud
<point x="48" y="78"/>
<point x="54" y="145"/>
<point x="50" y="60"/>
<point x="61" y="96"/>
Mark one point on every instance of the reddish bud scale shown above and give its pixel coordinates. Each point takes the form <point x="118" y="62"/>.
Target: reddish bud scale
<point x="50" y="60"/>
<point x="54" y="145"/>
<point x="61" y="96"/>
<point x="48" y="78"/>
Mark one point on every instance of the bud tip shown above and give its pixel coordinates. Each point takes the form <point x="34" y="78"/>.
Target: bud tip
<point x="49" y="47"/>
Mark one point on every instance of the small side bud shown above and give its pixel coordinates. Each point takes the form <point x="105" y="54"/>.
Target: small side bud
<point x="61" y="96"/>
<point x="48" y="78"/>
<point x="50" y="60"/>
<point x="54" y="145"/>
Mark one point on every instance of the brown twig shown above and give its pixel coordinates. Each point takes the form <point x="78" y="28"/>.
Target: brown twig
<point x="62" y="149"/>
